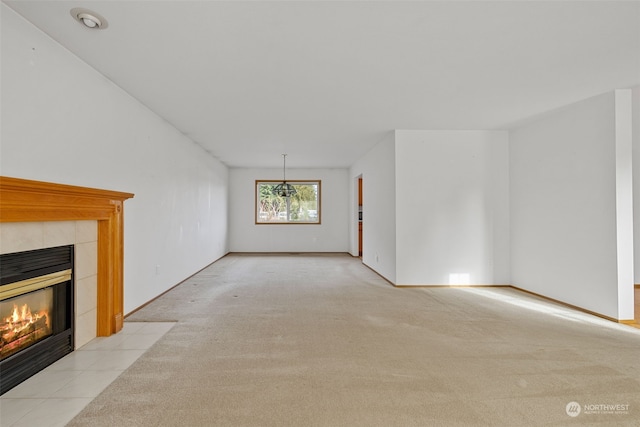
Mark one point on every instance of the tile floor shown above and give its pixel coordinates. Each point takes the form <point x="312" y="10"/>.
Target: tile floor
<point x="58" y="393"/>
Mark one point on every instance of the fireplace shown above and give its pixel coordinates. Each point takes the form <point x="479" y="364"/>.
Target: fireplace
<point x="36" y="311"/>
<point x="25" y="202"/>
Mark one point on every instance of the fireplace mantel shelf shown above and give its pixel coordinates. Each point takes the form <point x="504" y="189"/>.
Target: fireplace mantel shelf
<point x="28" y="201"/>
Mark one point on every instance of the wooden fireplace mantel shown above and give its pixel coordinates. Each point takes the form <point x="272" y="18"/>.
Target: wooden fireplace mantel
<point x="31" y="201"/>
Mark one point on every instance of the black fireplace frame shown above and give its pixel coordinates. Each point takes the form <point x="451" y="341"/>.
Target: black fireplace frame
<point x="20" y="266"/>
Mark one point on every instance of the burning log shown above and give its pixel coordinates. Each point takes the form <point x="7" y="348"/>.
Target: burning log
<point x="19" y="331"/>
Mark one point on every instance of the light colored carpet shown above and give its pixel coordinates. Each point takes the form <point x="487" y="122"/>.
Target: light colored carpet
<point x="321" y="340"/>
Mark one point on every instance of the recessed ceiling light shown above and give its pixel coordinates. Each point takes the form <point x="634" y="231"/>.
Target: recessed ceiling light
<point x="89" y="18"/>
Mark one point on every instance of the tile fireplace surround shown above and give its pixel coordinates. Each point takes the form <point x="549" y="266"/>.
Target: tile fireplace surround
<point x="36" y="215"/>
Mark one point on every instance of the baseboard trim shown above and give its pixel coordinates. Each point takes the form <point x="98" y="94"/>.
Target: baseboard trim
<point x="381" y="276"/>
<point x="453" y="286"/>
<point x="173" y="287"/>
<point x="268" y="253"/>
<point x="578" y="308"/>
<point x="629" y="322"/>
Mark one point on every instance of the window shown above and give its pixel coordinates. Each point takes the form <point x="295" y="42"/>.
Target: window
<point x="302" y="208"/>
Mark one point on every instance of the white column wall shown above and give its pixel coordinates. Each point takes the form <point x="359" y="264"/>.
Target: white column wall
<point x="63" y="122"/>
<point x="563" y="206"/>
<point x="378" y="170"/>
<point x="452" y="207"/>
<point x="635" y="136"/>
<point x="332" y="235"/>
<point x="624" y="203"/>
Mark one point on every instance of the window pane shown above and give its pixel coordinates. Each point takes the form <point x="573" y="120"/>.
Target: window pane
<point x="303" y="207"/>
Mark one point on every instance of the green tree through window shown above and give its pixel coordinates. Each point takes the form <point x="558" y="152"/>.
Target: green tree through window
<point x="302" y="208"/>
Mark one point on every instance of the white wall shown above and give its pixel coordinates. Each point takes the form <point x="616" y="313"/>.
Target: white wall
<point x="624" y="202"/>
<point x="378" y="171"/>
<point x="63" y="122"/>
<point x="563" y="206"/>
<point x="452" y="207"/>
<point x="332" y="235"/>
<point x="635" y="95"/>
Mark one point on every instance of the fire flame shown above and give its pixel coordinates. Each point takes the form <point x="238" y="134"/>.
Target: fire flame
<point x="22" y="318"/>
<point x="22" y="328"/>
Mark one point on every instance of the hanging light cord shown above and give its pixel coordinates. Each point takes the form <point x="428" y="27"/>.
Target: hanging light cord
<point x="284" y="168"/>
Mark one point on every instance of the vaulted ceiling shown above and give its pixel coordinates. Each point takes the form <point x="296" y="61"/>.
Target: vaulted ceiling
<point x="325" y="81"/>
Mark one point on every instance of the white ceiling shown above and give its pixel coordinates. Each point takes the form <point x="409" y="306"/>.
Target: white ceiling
<point x="325" y="81"/>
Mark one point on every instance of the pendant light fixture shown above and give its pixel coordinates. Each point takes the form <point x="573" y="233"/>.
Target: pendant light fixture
<point x="283" y="189"/>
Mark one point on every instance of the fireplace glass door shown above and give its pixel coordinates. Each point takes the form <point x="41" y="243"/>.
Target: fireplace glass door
<point x="36" y="312"/>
